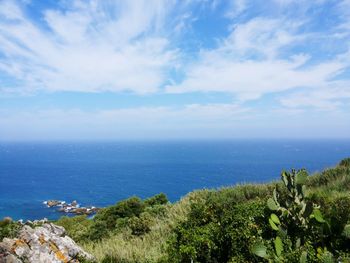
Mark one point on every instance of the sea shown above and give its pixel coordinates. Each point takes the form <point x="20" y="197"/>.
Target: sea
<point x="103" y="173"/>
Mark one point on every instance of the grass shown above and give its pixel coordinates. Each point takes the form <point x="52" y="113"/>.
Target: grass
<point x="151" y="246"/>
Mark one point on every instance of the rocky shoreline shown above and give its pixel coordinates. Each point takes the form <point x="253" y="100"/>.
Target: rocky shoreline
<point x="71" y="208"/>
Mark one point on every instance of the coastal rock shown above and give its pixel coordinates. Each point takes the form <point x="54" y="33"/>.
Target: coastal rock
<point x="46" y="243"/>
<point x="71" y="208"/>
<point x="51" y="203"/>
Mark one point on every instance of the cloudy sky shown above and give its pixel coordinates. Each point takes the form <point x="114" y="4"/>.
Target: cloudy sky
<point x="158" y="69"/>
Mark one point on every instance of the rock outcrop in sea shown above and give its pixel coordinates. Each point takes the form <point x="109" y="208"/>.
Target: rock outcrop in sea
<point x="46" y="243"/>
<point x="71" y="208"/>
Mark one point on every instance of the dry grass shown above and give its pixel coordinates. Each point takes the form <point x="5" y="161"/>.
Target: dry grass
<point x="151" y="246"/>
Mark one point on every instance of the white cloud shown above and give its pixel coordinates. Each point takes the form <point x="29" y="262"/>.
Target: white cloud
<point x="236" y="7"/>
<point x="94" y="46"/>
<point x="328" y="98"/>
<point x="248" y="63"/>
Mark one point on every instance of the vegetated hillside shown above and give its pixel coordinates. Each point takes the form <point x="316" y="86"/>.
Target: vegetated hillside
<point x="304" y="220"/>
<point x="299" y="219"/>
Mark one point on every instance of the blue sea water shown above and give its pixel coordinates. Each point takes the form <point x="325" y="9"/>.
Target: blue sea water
<point x="101" y="173"/>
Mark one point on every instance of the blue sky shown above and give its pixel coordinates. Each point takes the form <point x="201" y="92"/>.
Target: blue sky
<point x="152" y="69"/>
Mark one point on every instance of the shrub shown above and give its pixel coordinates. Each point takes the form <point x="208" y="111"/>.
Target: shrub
<point x="157" y="210"/>
<point x="127" y="208"/>
<point x="218" y="231"/>
<point x="302" y="233"/>
<point x="131" y="212"/>
<point x="77" y="227"/>
<point x="8" y="228"/>
<point x="140" y="225"/>
<point x="159" y="199"/>
<point x="337" y="213"/>
<point x="345" y="162"/>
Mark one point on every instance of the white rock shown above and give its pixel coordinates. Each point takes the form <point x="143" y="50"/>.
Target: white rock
<point x="46" y="243"/>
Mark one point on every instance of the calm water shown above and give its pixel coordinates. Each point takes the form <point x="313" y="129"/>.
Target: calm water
<point x="102" y="173"/>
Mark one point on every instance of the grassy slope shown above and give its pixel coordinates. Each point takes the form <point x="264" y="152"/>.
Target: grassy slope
<point x="151" y="246"/>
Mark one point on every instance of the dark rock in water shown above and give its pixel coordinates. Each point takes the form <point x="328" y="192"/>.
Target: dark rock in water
<point x="72" y="208"/>
<point x="46" y="243"/>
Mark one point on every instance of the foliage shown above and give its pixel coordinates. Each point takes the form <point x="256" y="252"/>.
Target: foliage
<point x="345" y="162"/>
<point x="132" y="213"/>
<point x="127" y="208"/>
<point x="140" y="225"/>
<point x="218" y="231"/>
<point x="77" y="227"/>
<point x="8" y="228"/>
<point x="302" y="233"/>
<point x="150" y="247"/>
<point x="159" y="199"/>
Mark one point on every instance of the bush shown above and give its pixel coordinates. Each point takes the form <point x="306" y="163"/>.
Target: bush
<point x="131" y="212"/>
<point x="140" y="225"/>
<point x="337" y="213"/>
<point x="157" y="210"/>
<point x="159" y="199"/>
<point x="345" y="162"/>
<point x="302" y="233"/>
<point x="77" y="227"/>
<point x="8" y="228"/>
<point x="218" y="231"/>
<point x="127" y="208"/>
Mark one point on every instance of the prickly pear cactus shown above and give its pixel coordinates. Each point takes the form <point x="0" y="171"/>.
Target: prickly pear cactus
<point x="291" y="215"/>
<point x="295" y="207"/>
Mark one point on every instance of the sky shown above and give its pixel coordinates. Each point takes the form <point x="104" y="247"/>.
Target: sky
<point x="167" y="69"/>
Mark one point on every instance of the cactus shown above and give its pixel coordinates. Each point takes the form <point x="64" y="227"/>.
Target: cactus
<point x="294" y="219"/>
<point x="295" y="206"/>
<point x="291" y="215"/>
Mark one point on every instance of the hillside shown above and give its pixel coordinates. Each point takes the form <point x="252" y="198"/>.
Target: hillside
<point x="299" y="219"/>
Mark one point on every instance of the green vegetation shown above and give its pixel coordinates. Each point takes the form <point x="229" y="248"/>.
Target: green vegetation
<point x="132" y="214"/>
<point x="299" y="219"/>
<point x="8" y="228"/>
<point x="301" y="232"/>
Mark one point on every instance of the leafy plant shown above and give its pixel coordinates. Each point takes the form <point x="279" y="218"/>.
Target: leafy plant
<point x="345" y="162"/>
<point x="218" y="231"/>
<point x="297" y="223"/>
<point x="159" y="199"/>
<point x="8" y="228"/>
<point x="140" y="225"/>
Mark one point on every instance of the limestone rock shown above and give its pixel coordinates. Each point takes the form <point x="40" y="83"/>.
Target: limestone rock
<point x="45" y="244"/>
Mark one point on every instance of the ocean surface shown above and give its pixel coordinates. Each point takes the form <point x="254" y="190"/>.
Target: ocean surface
<point x="101" y="173"/>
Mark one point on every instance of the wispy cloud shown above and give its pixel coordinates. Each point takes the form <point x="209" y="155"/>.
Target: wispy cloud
<point x="321" y="98"/>
<point x="236" y="7"/>
<point x="92" y="46"/>
<point x="249" y="63"/>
